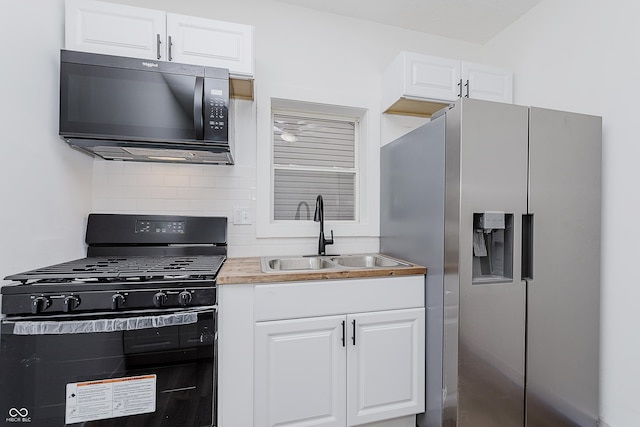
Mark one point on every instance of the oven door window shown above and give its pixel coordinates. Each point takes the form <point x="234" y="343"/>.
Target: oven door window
<point x="169" y="375"/>
<point x="121" y="103"/>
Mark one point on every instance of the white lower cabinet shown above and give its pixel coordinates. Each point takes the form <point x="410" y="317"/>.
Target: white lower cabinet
<point x="300" y="371"/>
<point x="339" y="370"/>
<point x="342" y="352"/>
<point x="385" y="366"/>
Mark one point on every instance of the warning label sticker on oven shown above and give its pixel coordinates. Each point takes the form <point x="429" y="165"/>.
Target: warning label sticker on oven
<point x="115" y="397"/>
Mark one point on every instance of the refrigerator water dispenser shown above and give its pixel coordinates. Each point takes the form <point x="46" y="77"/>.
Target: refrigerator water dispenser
<point x="492" y="247"/>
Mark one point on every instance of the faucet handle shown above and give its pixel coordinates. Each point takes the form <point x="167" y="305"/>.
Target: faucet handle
<point x="329" y="241"/>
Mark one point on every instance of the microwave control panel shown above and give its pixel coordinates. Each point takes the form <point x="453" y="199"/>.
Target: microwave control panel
<point x="216" y="109"/>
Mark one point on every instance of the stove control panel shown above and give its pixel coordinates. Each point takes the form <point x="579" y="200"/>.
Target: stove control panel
<point x="160" y="227"/>
<point x="120" y="300"/>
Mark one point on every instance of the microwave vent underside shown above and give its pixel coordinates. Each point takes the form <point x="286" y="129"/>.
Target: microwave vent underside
<point x="160" y="155"/>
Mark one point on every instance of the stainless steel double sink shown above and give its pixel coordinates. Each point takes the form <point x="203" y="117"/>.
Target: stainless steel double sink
<point x="274" y="264"/>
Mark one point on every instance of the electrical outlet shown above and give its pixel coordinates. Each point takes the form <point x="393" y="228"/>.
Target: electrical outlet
<point x="241" y="216"/>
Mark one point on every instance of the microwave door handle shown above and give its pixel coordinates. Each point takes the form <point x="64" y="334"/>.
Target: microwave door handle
<point x="198" y="101"/>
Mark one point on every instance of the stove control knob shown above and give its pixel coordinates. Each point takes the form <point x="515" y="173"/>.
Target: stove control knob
<point x="117" y="301"/>
<point x="159" y="299"/>
<point x="70" y="303"/>
<point x="40" y="304"/>
<point x="184" y="298"/>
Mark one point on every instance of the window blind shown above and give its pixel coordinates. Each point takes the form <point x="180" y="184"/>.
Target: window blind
<point x="313" y="156"/>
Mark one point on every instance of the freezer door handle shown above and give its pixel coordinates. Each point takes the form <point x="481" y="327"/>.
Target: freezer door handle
<point x="527" y="247"/>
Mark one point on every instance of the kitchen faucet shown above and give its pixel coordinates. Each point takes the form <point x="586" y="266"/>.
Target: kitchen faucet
<point x="319" y="217"/>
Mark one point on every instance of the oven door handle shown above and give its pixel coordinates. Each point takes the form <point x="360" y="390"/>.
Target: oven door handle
<point x="143" y="320"/>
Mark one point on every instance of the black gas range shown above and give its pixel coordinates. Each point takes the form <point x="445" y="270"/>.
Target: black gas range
<point x="135" y="319"/>
<point x="133" y="262"/>
<point x="114" y="283"/>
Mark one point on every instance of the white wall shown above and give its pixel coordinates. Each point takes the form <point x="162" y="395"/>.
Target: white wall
<point x="582" y="55"/>
<point x="566" y="54"/>
<point x="45" y="187"/>
<point x="300" y="55"/>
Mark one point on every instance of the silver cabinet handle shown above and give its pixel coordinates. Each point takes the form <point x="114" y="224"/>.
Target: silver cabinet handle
<point x="467" y="86"/>
<point x="460" y="86"/>
<point x="158" y="45"/>
<point x="170" y="44"/>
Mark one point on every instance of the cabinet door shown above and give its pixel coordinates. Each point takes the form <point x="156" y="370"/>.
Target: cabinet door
<point x="431" y="77"/>
<point x="300" y="372"/>
<point x="385" y="365"/>
<point x="212" y="43"/>
<point x="487" y="83"/>
<point x="114" y="29"/>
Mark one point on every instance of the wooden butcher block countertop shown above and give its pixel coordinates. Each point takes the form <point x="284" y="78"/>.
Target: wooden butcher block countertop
<point x="249" y="270"/>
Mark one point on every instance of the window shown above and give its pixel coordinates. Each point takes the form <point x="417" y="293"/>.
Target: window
<point x="314" y="154"/>
<point x="305" y="149"/>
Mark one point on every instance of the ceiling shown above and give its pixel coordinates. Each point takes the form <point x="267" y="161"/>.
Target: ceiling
<point x="475" y="21"/>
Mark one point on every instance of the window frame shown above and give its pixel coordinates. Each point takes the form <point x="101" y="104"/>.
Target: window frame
<point x="367" y="182"/>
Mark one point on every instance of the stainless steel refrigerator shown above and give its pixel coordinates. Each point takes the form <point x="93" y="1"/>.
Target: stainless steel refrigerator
<point x="501" y="203"/>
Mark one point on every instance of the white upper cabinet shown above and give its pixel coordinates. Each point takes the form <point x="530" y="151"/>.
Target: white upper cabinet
<point x="422" y="77"/>
<point x="420" y="85"/>
<point x="115" y="29"/>
<point x="487" y="83"/>
<point x="203" y="41"/>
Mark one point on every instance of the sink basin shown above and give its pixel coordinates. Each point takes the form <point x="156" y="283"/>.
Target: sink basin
<point x="367" y="261"/>
<point x="329" y="262"/>
<point x="298" y="263"/>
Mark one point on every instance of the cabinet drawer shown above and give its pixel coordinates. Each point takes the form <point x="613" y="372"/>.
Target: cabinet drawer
<point x="328" y="297"/>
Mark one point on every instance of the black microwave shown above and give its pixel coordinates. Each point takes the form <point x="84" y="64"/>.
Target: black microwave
<point x="121" y="108"/>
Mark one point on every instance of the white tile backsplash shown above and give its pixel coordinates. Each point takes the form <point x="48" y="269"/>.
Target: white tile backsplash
<point x="151" y="206"/>
<point x="163" y="192"/>
<point x="158" y="188"/>
<point x="146" y="179"/>
<point x="202" y="181"/>
<point x="176" y="181"/>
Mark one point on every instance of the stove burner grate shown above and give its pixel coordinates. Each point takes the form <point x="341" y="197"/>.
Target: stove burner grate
<point x="127" y="268"/>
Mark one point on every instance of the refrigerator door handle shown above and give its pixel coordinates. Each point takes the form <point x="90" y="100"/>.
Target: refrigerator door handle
<point x="527" y="247"/>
